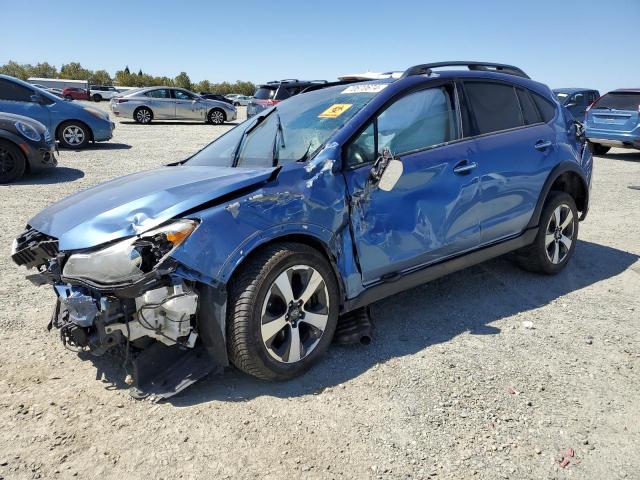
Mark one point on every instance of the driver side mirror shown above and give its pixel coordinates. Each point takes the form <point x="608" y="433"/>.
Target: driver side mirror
<point x="386" y="171"/>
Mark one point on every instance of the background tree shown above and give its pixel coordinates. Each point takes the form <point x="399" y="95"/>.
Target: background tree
<point x="74" y="71"/>
<point x="183" y="81"/>
<point x="100" y="77"/>
<point x="42" y="70"/>
<point x="203" y="86"/>
<point x="14" y="69"/>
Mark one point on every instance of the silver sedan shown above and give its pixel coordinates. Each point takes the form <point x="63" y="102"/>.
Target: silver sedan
<point x="170" y="103"/>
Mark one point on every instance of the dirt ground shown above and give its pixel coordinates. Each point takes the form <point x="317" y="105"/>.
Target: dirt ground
<point x="491" y="372"/>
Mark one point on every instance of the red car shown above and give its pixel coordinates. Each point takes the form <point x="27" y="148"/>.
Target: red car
<point x="73" y="93"/>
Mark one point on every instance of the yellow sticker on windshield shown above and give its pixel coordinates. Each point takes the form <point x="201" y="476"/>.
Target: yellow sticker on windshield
<point x="335" y="110"/>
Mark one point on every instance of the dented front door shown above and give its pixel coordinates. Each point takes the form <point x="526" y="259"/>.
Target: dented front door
<point x="431" y="212"/>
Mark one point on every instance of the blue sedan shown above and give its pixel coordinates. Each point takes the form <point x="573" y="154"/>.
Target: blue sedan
<point x="74" y="124"/>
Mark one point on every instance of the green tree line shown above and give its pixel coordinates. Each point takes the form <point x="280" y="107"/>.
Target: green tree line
<point x="122" y="78"/>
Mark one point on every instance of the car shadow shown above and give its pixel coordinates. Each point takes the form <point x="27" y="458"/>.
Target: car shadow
<point x="173" y="122"/>
<point x="468" y="301"/>
<point x="51" y="176"/>
<point x="632" y="156"/>
<point x="99" y="146"/>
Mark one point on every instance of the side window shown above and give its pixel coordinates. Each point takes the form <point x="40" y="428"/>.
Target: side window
<point x="495" y="106"/>
<point x="363" y="149"/>
<point x="417" y="121"/>
<point x="159" y="93"/>
<point x="546" y="108"/>
<point x="580" y="100"/>
<point x="529" y="110"/>
<point x="14" y="92"/>
<point x="182" y="95"/>
<point x="591" y="97"/>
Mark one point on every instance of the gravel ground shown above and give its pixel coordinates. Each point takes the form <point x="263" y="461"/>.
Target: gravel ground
<point x="487" y="373"/>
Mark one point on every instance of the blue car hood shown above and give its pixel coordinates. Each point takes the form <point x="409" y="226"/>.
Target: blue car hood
<point x="135" y="203"/>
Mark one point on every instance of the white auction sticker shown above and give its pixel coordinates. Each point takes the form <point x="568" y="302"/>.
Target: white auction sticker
<point x="370" y="88"/>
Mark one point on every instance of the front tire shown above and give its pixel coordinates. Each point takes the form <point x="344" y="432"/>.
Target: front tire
<point x="216" y="117"/>
<point x="557" y="236"/>
<point x="598" y="149"/>
<point x="282" y="312"/>
<point x="143" y="115"/>
<point x="73" y="135"/>
<point x="12" y="162"/>
<point x="97" y="98"/>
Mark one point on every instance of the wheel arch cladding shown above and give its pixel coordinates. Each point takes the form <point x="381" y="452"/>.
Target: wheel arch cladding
<point x="296" y="237"/>
<point x="565" y="177"/>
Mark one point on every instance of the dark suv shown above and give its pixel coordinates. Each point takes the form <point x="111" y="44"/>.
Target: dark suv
<point x="271" y="93"/>
<point x="576" y="100"/>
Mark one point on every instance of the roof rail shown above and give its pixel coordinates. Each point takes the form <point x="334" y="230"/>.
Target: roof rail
<point x="319" y="86"/>
<point x="426" y="68"/>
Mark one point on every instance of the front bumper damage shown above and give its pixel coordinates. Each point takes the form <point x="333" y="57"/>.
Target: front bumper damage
<point x="169" y="325"/>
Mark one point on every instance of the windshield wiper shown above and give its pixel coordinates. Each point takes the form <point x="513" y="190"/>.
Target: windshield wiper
<point x="246" y="133"/>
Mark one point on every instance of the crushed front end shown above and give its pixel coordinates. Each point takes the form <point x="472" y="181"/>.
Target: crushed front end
<point x="131" y="297"/>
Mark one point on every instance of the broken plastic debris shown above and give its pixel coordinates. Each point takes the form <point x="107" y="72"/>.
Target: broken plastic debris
<point x="528" y="324"/>
<point x="512" y="391"/>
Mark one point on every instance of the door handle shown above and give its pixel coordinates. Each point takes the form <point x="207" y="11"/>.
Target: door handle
<point x="464" y="167"/>
<point x="542" y="144"/>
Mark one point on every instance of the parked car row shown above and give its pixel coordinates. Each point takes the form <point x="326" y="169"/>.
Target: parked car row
<point x="72" y="124"/>
<point x="310" y="210"/>
<point x="170" y="103"/>
<point x="612" y="120"/>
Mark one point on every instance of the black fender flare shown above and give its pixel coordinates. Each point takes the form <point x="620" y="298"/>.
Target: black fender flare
<point x="561" y="168"/>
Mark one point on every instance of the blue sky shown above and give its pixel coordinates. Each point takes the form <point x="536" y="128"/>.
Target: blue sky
<point x="588" y="43"/>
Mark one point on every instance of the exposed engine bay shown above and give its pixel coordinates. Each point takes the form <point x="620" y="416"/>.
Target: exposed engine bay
<point x="154" y="319"/>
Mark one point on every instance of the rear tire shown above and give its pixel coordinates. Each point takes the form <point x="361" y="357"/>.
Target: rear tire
<point x="68" y="97"/>
<point x="12" y="162"/>
<point x="73" y="135"/>
<point x="598" y="149"/>
<point x="276" y="333"/>
<point x="143" y="115"/>
<point x="97" y="98"/>
<point x="557" y="236"/>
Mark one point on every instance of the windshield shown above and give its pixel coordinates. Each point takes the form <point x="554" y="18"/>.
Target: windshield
<point x="290" y="132"/>
<point x="619" y="101"/>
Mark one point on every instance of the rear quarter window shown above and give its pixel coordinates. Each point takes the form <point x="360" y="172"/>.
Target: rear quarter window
<point x="529" y="110"/>
<point x="619" y="101"/>
<point x="545" y="107"/>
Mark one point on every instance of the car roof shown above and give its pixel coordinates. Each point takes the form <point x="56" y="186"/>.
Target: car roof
<point x="293" y="81"/>
<point x="626" y="90"/>
<point x="573" y="90"/>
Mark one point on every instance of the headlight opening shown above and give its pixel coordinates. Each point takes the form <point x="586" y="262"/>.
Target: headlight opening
<point x="130" y="259"/>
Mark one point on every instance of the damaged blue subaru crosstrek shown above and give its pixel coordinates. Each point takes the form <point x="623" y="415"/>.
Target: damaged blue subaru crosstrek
<point x="262" y="246"/>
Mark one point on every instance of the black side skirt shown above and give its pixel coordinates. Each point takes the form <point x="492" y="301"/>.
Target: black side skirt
<point x="431" y="272"/>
